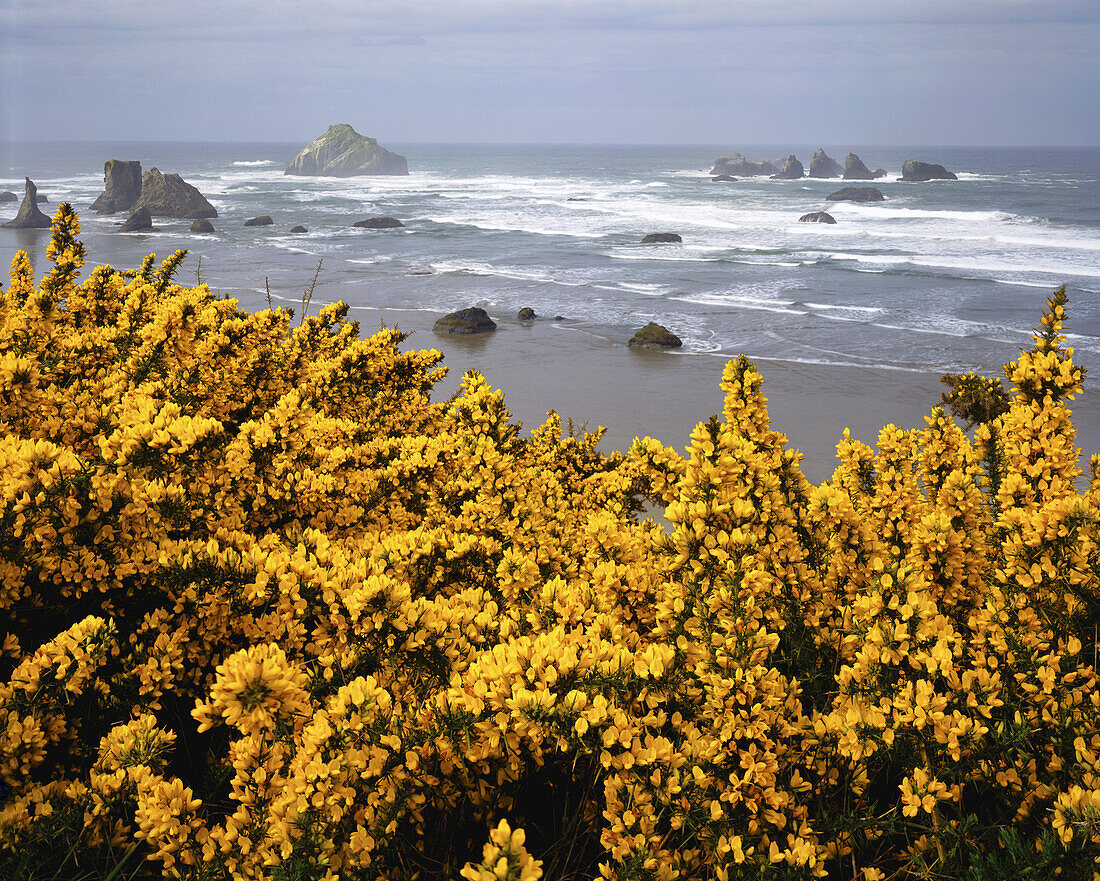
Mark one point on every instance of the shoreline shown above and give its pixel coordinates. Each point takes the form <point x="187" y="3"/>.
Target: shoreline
<point x="546" y="364"/>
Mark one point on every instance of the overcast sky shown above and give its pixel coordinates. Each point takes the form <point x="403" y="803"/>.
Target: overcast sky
<point x="912" y="72"/>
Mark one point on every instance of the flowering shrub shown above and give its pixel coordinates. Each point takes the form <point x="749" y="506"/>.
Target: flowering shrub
<point x="271" y="612"/>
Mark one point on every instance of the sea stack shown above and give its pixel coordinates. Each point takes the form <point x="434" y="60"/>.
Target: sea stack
<point x="791" y="170"/>
<point x="736" y="164"/>
<point x="854" y="169"/>
<point x="169" y="195"/>
<point x="822" y="165"/>
<point x="913" y="170"/>
<point x="121" y="186"/>
<point x="28" y="217"/>
<point x="343" y="152"/>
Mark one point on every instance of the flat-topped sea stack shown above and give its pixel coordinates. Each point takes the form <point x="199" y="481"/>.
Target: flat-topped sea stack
<point x="791" y="170"/>
<point x="169" y="195"/>
<point x="343" y="152"/>
<point x="856" y="194"/>
<point x="28" y="216"/>
<point x="822" y="165"/>
<point x="737" y="165"/>
<point x="913" y="170"/>
<point x="121" y="186"/>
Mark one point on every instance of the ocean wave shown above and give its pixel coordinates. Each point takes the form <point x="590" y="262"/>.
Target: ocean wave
<point x="254" y="163"/>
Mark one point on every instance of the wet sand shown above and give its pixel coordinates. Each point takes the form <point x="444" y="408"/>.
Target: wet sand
<point x="547" y="365"/>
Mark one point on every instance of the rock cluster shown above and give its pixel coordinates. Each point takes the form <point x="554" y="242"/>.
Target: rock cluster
<point x="121" y="186"/>
<point x="28" y="216"/>
<point x="343" y="152"/>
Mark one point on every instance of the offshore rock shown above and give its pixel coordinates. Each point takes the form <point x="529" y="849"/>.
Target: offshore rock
<point x="202" y="225"/>
<point x="139" y="219"/>
<point x="343" y="152"/>
<point x="792" y="170"/>
<point x="913" y="170"/>
<point x="736" y="164"/>
<point x="28" y="216"/>
<point x="724" y="179"/>
<point x="169" y="195"/>
<point x="856" y="194"/>
<point x="473" y="320"/>
<point x="655" y="336"/>
<point x="298" y="229"/>
<point x="262" y="220"/>
<point x="822" y="165"/>
<point x="41" y="199"/>
<point x="526" y="314"/>
<point x="379" y="223"/>
<point x="8" y="196"/>
<point x="854" y="169"/>
<point x="880" y="172"/>
<point x="661" y="238"/>
<point x="121" y="186"/>
<point x="817" y="217"/>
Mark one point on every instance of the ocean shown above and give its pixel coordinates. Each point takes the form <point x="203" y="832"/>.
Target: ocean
<point x="943" y="276"/>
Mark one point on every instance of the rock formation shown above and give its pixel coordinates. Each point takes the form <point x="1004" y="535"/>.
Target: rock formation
<point x="8" y="196"/>
<point x="28" y="217"/>
<point x="140" y="219"/>
<point x="854" y="169"/>
<point x="378" y="223"/>
<point x="655" y="336"/>
<point x="724" y="179"/>
<point x="121" y="186"/>
<point x="343" y="152"/>
<point x="792" y="170"/>
<point x="298" y="229"/>
<point x="473" y="320"/>
<point x="913" y="170"/>
<point x="817" y="217"/>
<point x="262" y="220"/>
<point x="41" y="199"/>
<point x="822" y="165"/>
<point x="736" y="164"/>
<point x="169" y="195"/>
<point x="202" y="225"/>
<point x="526" y="314"/>
<point x="661" y="238"/>
<point x="856" y="194"/>
<point x="879" y="172"/>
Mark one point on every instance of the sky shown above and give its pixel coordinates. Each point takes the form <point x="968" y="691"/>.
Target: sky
<point x="871" y="72"/>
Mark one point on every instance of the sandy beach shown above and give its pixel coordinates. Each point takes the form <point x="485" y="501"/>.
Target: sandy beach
<point x="547" y="364"/>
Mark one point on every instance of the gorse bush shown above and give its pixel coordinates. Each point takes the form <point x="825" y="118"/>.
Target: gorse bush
<point x="270" y="612"/>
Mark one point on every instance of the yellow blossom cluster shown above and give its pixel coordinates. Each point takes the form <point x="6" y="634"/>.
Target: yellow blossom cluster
<point x="271" y="612"/>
